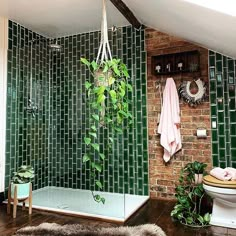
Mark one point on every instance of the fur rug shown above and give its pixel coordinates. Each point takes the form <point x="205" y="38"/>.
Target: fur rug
<point x="50" y="229"/>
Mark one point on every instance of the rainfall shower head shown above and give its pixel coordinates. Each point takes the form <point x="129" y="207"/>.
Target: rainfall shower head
<point x="55" y="47"/>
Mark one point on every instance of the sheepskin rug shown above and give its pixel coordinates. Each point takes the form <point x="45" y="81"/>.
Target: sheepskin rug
<point x="50" y="229"/>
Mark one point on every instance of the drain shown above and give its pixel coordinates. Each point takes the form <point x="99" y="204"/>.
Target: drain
<point x="63" y="206"/>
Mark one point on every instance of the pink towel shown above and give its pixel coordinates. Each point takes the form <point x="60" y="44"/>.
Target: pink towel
<point x="232" y="172"/>
<point x="169" y="120"/>
<point x="221" y="174"/>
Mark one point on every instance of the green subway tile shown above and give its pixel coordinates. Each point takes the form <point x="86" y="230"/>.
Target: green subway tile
<point x="221" y="142"/>
<point x="221" y="117"/>
<point x="222" y="154"/>
<point x="212" y="60"/>
<point x="215" y="148"/>
<point x="233" y="116"/>
<point x="215" y="161"/>
<point x="233" y="142"/>
<point x="233" y="154"/>
<point x="222" y="164"/>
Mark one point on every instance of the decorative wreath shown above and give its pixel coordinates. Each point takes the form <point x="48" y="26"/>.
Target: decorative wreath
<point x="190" y="98"/>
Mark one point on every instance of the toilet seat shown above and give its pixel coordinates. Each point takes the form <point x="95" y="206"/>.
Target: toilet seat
<point x="212" y="181"/>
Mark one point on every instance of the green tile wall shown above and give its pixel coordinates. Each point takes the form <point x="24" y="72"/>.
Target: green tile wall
<point x="53" y="141"/>
<point x="27" y="137"/>
<point x="126" y="169"/>
<point x="223" y="109"/>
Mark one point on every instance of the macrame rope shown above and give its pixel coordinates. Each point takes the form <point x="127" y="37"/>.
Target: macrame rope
<point x="104" y="52"/>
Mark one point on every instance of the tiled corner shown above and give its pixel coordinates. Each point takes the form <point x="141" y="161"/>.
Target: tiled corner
<point x="223" y="109"/>
<point x="52" y="142"/>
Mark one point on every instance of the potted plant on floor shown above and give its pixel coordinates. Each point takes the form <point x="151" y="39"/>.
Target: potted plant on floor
<point x="21" y="180"/>
<point x="108" y="98"/>
<point x="189" y="208"/>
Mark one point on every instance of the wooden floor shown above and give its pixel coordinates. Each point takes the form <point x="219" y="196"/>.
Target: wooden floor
<point x="155" y="211"/>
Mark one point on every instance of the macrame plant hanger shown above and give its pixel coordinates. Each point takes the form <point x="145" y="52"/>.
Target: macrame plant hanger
<point x="104" y="52"/>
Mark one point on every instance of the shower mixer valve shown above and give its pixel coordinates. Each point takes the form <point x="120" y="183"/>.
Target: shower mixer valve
<point x="31" y="108"/>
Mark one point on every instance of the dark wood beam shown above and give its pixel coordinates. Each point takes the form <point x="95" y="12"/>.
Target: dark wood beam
<point x="127" y="13"/>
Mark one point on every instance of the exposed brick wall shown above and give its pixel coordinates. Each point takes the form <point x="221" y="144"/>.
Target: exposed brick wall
<point x="164" y="177"/>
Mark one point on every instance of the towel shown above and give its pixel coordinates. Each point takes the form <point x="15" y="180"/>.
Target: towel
<point x="223" y="174"/>
<point x="232" y="172"/>
<point x="169" y="121"/>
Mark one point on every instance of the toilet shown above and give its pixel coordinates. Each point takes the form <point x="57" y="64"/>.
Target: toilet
<point x="224" y="201"/>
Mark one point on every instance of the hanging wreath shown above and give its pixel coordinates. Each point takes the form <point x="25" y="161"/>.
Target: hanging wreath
<point x="193" y="99"/>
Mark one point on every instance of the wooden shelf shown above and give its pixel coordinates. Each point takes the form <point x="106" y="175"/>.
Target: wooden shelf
<point x="176" y="63"/>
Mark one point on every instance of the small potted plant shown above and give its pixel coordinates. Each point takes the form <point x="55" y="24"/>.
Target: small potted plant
<point x="22" y="179"/>
<point x="198" y="169"/>
<point x="190" y="209"/>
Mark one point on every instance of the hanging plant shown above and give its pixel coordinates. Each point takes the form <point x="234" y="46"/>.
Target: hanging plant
<point x="109" y="105"/>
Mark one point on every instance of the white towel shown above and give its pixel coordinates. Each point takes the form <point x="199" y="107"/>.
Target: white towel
<point x="170" y="118"/>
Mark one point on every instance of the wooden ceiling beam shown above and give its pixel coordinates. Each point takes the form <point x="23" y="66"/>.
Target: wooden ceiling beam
<point x="127" y="13"/>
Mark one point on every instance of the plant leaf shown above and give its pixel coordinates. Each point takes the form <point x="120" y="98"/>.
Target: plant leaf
<point x="95" y="117"/>
<point x="95" y="146"/>
<point x="102" y="156"/>
<point x="116" y="70"/>
<point x="105" y="68"/>
<point x="122" y="92"/>
<point x="94" y="65"/>
<point x="111" y="140"/>
<point x="207" y="217"/>
<point x="98" y="167"/>
<point x="100" y="90"/>
<point x="87" y="141"/>
<point x="99" y="184"/>
<point x="93" y="127"/>
<point x="113" y="94"/>
<point x="87" y="85"/>
<point x="103" y="200"/>
<point x="86" y="158"/>
<point x="101" y="98"/>
<point x="111" y="80"/>
<point x="93" y="134"/>
<point x="85" y="61"/>
<point x="189" y="220"/>
<point x="130" y="88"/>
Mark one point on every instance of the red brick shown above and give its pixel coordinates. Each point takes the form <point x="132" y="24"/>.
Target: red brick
<point x="164" y="177"/>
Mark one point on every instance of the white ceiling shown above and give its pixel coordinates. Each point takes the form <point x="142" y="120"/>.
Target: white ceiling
<point x="53" y="18"/>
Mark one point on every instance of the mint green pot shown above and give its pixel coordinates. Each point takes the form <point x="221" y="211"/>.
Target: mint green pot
<point x="22" y="190"/>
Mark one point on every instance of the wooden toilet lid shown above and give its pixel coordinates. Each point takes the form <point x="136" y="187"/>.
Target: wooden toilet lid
<point x="212" y="181"/>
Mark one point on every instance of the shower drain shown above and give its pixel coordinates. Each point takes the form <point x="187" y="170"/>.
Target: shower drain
<point x="63" y="206"/>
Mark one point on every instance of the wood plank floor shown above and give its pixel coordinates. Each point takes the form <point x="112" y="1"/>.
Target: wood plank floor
<point x="155" y="211"/>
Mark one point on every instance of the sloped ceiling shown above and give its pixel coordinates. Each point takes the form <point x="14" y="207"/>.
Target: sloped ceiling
<point x="54" y="18"/>
<point x="211" y="29"/>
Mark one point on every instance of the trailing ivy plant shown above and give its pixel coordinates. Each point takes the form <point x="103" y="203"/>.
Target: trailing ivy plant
<point x="109" y="109"/>
<point x="188" y="209"/>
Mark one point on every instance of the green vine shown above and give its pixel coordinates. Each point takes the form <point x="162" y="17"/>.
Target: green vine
<point x="108" y="97"/>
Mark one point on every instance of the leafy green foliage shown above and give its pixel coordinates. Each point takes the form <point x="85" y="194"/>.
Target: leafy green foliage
<point x="109" y="106"/>
<point x="24" y="174"/>
<point x="189" y="197"/>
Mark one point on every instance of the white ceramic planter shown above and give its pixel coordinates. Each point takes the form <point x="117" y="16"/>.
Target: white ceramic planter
<point x="198" y="178"/>
<point x="22" y="190"/>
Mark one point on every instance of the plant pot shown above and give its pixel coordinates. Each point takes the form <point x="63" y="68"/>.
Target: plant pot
<point x="198" y="178"/>
<point x="22" y="190"/>
<point x="100" y="74"/>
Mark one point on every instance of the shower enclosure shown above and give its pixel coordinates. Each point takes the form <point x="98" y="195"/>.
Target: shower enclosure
<point x="48" y="117"/>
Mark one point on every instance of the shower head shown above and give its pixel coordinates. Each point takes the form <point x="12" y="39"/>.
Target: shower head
<point x="55" y="47"/>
